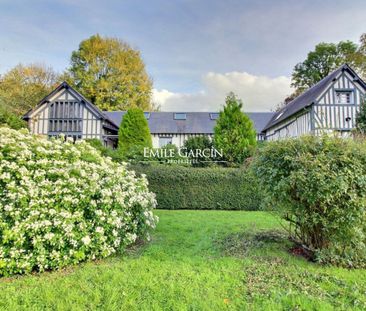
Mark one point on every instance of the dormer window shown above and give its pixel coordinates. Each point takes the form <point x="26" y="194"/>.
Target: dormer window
<point x="180" y="116"/>
<point x="147" y="115"/>
<point x="343" y="97"/>
<point x="280" y="114"/>
<point x="214" y="116"/>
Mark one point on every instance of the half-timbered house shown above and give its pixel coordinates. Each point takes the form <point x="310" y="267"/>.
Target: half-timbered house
<point x="329" y="106"/>
<point x="66" y="111"/>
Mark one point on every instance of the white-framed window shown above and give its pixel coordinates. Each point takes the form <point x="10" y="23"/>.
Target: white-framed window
<point x="163" y="141"/>
<point x="343" y="97"/>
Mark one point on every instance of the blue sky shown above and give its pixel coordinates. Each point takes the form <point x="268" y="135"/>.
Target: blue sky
<point x="195" y="51"/>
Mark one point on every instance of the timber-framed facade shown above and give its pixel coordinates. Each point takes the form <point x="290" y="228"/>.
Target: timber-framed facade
<point x="329" y="106"/>
<point x="65" y="111"/>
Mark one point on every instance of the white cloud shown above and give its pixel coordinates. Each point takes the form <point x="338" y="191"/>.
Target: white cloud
<point x="259" y="93"/>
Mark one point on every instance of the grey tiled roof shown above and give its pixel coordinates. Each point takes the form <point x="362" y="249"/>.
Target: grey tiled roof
<point x="196" y="122"/>
<point x="307" y="98"/>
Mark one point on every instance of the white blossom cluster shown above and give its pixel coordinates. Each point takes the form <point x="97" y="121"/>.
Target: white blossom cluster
<point x="62" y="203"/>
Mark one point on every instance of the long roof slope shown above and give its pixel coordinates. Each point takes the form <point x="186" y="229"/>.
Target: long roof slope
<point x="307" y="98"/>
<point x="195" y="123"/>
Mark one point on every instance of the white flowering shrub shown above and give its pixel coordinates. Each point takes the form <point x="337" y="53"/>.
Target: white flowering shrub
<point x="62" y="203"/>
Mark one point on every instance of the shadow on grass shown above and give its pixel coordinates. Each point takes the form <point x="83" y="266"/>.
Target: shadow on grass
<point x="241" y="244"/>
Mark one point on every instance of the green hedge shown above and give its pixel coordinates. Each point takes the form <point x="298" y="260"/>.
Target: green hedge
<point x="178" y="187"/>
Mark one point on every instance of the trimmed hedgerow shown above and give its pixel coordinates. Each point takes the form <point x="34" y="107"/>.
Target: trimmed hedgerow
<point x="318" y="185"/>
<point x="178" y="187"/>
<point x="62" y="203"/>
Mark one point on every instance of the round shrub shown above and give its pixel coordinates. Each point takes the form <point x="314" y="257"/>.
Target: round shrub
<point x="318" y="184"/>
<point x="62" y="203"/>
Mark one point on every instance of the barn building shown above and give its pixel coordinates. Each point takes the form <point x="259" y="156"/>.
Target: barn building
<point x="329" y="106"/>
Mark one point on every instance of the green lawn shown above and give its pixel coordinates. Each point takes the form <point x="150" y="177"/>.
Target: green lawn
<point x="197" y="260"/>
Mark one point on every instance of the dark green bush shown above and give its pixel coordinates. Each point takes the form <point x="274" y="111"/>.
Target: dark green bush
<point x="115" y="154"/>
<point x="134" y="133"/>
<point x="198" y="143"/>
<point x="167" y="160"/>
<point x="178" y="187"/>
<point x="10" y="119"/>
<point x="319" y="186"/>
<point x="135" y="155"/>
<point x="361" y="118"/>
<point x="234" y="132"/>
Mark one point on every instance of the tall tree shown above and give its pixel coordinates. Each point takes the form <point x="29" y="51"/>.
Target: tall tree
<point x="134" y="133"/>
<point x="362" y="55"/>
<point x="323" y="60"/>
<point x="234" y="132"/>
<point x="111" y="74"/>
<point x="22" y="87"/>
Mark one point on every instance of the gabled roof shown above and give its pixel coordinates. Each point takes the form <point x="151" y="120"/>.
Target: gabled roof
<point x="195" y="123"/>
<point x="65" y="85"/>
<point x="307" y="98"/>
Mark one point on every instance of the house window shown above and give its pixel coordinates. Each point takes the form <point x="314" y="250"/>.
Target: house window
<point x="163" y="141"/>
<point x="280" y="114"/>
<point x="343" y="97"/>
<point x="147" y="115"/>
<point x="65" y="117"/>
<point x="180" y="116"/>
<point x="214" y="116"/>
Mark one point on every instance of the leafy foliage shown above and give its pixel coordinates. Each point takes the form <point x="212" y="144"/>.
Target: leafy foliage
<point x="319" y="186"/>
<point x="22" y="87"/>
<point x="111" y="74"/>
<point x="361" y="118"/>
<point x="136" y="154"/>
<point x="134" y="133"/>
<point x="325" y="58"/>
<point x="362" y="51"/>
<point x="171" y="160"/>
<point x="9" y="119"/>
<point x="198" y="143"/>
<point x="179" y="187"/>
<point x="234" y="131"/>
<point x="62" y="203"/>
<point x="114" y="154"/>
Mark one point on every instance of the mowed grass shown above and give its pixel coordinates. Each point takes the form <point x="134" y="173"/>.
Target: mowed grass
<point x="197" y="260"/>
